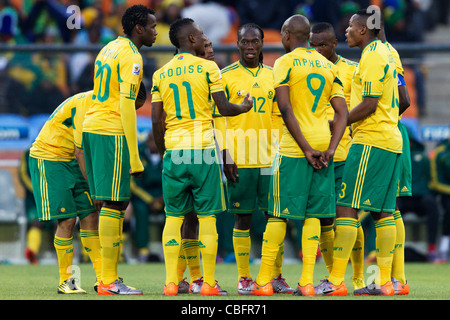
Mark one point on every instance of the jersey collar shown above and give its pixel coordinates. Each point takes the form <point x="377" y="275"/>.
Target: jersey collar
<point x="251" y="72"/>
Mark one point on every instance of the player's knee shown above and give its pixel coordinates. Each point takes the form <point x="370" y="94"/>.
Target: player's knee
<point x="116" y="205"/>
<point x="242" y="221"/>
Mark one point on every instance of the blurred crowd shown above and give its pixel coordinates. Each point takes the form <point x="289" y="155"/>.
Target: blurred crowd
<point x="34" y="83"/>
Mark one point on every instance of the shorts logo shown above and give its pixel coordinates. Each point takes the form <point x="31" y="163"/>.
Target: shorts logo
<point x="236" y="204"/>
<point x="136" y="69"/>
<point x="286" y="211"/>
<point x="62" y="210"/>
<point x="367" y="202"/>
<point x="405" y="189"/>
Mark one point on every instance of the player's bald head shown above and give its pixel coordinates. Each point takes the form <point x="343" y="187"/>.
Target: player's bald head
<point x="298" y="26"/>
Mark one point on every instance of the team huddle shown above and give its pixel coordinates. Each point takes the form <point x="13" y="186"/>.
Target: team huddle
<point x="316" y="138"/>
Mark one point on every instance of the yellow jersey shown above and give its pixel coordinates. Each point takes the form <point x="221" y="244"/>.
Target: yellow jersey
<point x="249" y="136"/>
<point x="63" y="130"/>
<point x="118" y="72"/>
<point x="184" y="86"/>
<point x="396" y="57"/>
<point x="346" y="68"/>
<point x="398" y="64"/>
<point x="313" y="81"/>
<point x="376" y="76"/>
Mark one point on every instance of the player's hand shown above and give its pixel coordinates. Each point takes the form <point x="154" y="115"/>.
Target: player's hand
<point x="327" y="157"/>
<point x="231" y="172"/>
<point x="229" y="167"/>
<point x="247" y="103"/>
<point x="98" y="204"/>
<point x="314" y="158"/>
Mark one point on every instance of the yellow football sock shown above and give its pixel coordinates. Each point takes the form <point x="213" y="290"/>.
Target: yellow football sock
<point x="171" y="239"/>
<point x="398" y="262"/>
<point x="91" y="243"/>
<point x="182" y="264"/>
<point x="192" y="257"/>
<point x="278" y="262"/>
<point x="242" y="244"/>
<point x="64" y="252"/>
<point x="273" y="237"/>
<point x="326" y="245"/>
<point x="109" y="231"/>
<point x="310" y="243"/>
<point x="34" y="239"/>
<point x="385" y="244"/>
<point x="346" y="230"/>
<point x="357" y="255"/>
<point x="123" y="237"/>
<point x="207" y="241"/>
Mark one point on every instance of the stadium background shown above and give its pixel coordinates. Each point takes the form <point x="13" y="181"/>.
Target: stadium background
<point x="42" y="62"/>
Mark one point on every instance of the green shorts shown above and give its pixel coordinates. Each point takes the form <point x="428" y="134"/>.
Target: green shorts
<point x="192" y="180"/>
<point x="252" y="189"/>
<point x="405" y="178"/>
<point x="298" y="191"/>
<point x="338" y="173"/>
<point x="370" y="179"/>
<point x="60" y="190"/>
<point x="107" y="166"/>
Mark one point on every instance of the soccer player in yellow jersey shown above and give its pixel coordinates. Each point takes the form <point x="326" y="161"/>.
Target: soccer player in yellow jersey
<point x="60" y="189"/>
<point x="302" y="185"/>
<point x="249" y="148"/>
<point x="399" y="282"/>
<point x="189" y="250"/>
<point x="191" y="174"/>
<point x="110" y="136"/>
<point x="60" y="186"/>
<point x="323" y="39"/>
<point x="375" y="153"/>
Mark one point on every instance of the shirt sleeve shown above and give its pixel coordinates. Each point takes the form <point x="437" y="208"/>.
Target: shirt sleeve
<point x="214" y="77"/>
<point x="337" y="89"/>
<point x="373" y="70"/>
<point x="156" y="94"/>
<point x="130" y="69"/>
<point x="281" y="71"/>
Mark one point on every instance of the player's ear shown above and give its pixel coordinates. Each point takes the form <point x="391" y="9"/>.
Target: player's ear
<point x="191" y="38"/>
<point x="139" y="29"/>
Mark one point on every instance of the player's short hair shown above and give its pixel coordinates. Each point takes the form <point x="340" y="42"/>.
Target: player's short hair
<point x="137" y="14"/>
<point x="323" y="27"/>
<point x="175" y="28"/>
<point x="366" y="14"/>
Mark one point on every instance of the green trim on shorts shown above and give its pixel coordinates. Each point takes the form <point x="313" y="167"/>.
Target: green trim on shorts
<point x="292" y="197"/>
<point x="192" y="184"/>
<point x="370" y="179"/>
<point x="60" y="190"/>
<point x="107" y="166"/>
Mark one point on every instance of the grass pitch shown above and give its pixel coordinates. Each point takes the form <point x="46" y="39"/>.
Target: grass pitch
<point x="40" y="282"/>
